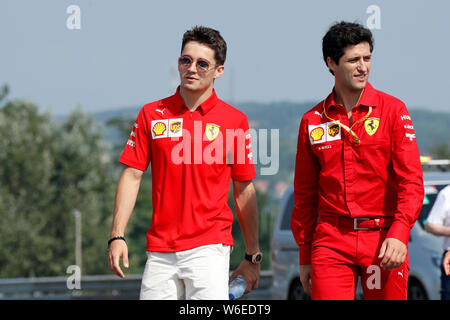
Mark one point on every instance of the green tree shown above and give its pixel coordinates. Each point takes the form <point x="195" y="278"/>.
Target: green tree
<point x="26" y="189"/>
<point x="83" y="179"/>
<point x="4" y="92"/>
<point x="47" y="171"/>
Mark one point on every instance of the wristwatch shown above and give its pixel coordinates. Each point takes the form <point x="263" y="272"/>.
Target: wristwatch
<point x="254" y="258"/>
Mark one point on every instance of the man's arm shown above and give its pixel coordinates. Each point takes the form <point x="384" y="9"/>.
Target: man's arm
<point x="438" y="214"/>
<point x="126" y="194"/>
<point x="437" y="229"/>
<point x="247" y="212"/>
<point x="306" y="195"/>
<point x="410" y="190"/>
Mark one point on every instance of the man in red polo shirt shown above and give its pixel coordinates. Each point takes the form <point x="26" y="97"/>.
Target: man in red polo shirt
<point x="358" y="180"/>
<point x="195" y="144"/>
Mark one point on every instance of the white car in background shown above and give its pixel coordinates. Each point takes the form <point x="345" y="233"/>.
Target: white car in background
<point x="425" y="250"/>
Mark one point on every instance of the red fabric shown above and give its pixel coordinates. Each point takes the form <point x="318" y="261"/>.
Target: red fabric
<point x="340" y="256"/>
<point x="193" y="157"/>
<point x="381" y="176"/>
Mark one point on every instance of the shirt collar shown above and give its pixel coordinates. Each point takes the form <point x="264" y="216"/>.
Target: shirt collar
<point x="367" y="98"/>
<point x="205" y="107"/>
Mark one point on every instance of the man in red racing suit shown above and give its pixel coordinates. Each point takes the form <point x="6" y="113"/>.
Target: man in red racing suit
<point x="358" y="180"/>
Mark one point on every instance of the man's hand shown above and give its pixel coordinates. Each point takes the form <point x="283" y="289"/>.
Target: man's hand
<point x="117" y="250"/>
<point x="305" y="277"/>
<point x="446" y="263"/>
<point x="250" y="272"/>
<point x="393" y="252"/>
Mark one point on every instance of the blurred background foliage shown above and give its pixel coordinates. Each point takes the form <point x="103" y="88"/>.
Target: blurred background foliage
<point x="49" y="169"/>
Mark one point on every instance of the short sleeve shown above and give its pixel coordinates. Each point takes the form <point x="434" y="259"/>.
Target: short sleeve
<point x="243" y="168"/>
<point x="137" y="151"/>
<point x="441" y="207"/>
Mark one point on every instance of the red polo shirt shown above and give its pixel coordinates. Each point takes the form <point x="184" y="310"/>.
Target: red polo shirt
<point x="193" y="156"/>
<point x="381" y="176"/>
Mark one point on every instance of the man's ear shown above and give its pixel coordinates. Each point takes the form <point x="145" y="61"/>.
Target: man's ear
<point x="331" y="64"/>
<point x="219" y="71"/>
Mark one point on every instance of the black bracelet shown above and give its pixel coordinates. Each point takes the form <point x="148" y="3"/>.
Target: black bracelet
<point x="116" y="238"/>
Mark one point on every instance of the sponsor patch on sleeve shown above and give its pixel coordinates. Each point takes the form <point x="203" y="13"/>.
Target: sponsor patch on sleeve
<point x="410" y="136"/>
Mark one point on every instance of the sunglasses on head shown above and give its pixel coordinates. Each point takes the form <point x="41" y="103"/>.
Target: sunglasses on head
<point x="185" y="62"/>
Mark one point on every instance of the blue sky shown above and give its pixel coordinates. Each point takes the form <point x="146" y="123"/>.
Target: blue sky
<point x="125" y="52"/>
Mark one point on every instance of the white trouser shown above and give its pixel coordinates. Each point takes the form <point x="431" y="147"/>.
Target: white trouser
<point x="200" y="273"/>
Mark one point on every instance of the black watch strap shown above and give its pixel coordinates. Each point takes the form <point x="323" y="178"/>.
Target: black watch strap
<point x="254" y="258"/>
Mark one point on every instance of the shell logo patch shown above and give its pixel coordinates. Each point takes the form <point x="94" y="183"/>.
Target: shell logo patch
<point x="371" y="125"/>
<point x="317" y="134"/>
<point x="159" y="129"/>
<point x="212" y="131"/>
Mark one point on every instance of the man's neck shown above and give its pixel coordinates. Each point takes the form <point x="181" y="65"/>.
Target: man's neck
<point x="348" y="98"/>
<point x="192" y="99"/>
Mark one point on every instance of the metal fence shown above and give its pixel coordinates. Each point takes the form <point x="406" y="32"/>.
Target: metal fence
<point x="101" y="287"/>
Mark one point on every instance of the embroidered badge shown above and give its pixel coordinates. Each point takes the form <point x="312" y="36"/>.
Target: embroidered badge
<point x="212" y="131"/>
<point x="333" y="130"/>
<point x="317" y="134"/>
<point x="176" y="127"/>
<point x="159" y="129"/>
<point x="371" y="125"/>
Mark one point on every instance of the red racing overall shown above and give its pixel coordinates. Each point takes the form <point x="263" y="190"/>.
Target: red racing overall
<point x="353" y="190"/>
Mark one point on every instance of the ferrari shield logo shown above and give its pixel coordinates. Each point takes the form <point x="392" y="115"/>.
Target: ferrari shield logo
<point x="211" y="131"/>
<point x="371" y="125"/>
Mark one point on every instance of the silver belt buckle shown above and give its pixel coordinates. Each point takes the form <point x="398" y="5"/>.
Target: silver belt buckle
<point x="355" y="224"/>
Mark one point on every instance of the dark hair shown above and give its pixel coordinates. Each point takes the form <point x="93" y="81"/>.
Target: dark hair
<point x="343" y="34"/>
<point x="210" y="38"/>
